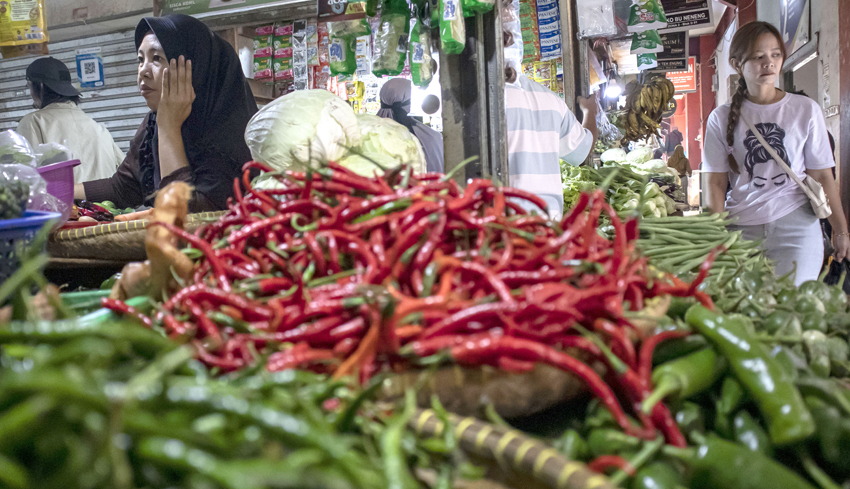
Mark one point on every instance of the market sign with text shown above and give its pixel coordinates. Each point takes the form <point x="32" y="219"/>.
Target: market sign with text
<point x="675" y="54"/>
<point x="685" y="81"/>
<point x="196" y="7"/>
<point x="684" y="15"/>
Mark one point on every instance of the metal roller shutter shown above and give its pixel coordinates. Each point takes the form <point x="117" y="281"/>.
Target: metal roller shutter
<point x="117" y="105"/>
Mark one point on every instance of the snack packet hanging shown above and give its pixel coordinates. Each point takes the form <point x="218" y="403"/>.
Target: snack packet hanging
<point x="646" y="15"/>
<point x="647" y="61"/>
<point x="452" y="27"/>
<point x="390" y="44"/>
<point x="22" y="22"/>
<point x="647" y="42"/>
<point x="472" y="7"/>
<point x="420" y="53"/>
<point x="342" y="43"/>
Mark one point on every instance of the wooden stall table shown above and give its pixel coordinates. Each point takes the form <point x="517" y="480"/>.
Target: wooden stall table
<point x="86" y="256"/>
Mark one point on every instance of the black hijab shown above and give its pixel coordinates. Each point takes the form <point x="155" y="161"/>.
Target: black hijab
<point x="213" y="135"/>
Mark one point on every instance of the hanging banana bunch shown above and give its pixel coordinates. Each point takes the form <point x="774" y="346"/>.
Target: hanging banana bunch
<point x="645" y="104"/>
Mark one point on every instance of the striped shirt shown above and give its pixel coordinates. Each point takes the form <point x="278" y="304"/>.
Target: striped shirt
<point x="541" y="130"/>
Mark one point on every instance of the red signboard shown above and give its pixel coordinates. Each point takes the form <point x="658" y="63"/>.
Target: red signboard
<point x="685" y="81"/>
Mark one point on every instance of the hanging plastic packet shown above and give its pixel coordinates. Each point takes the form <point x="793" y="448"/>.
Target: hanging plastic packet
<point x="646" y="42"/>
<point x="595" y="18"/>
<point x="452" y="27"/>
<point x="22" y="22"/>
<point x="420" y="53"/>
<point x="647" y="61"/>
<point x="646" y="15"/>
<point x="342" y="43"/>
<point x="390" y="48"/>
<point x="472" y="7"/>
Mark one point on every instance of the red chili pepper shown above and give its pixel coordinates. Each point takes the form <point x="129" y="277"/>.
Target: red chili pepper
<point x="296" y="357"/>
<point x="125" y="310"/>
<point x="602" y="463"/>
<point x="647" y="349"/>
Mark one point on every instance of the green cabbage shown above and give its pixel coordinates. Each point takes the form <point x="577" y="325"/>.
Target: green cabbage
<point x="616" y="155"/>
<point x="387" y="143"/>
<point x="639" y="156"/>
<point x="302" y="127"/>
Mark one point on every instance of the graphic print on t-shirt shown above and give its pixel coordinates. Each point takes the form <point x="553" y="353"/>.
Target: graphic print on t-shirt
<point x="762" y="169"/>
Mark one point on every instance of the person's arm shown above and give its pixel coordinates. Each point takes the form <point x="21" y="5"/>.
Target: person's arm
<point x="174" y="108"/>
<point x="589" y="109"/>
<point x="716" y="186"/>
<point x="79" y="192"/>
<point x="838" y="221"/>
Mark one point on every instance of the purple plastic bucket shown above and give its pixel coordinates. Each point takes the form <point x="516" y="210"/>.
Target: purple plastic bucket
<point x="60" y="180"/>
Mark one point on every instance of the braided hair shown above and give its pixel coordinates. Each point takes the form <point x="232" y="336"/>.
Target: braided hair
<point x="740" y="51"/>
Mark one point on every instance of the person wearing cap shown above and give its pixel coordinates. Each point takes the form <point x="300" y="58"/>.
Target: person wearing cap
<point x="200" y="103"/>
<point x="59" y="119"/>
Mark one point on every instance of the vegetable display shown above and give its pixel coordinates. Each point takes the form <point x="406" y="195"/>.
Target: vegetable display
<point x="13" y="199"/>
<point x="628" y="192"/>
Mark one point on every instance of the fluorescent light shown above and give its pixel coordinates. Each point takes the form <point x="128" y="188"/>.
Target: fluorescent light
<point x="803" y="63"/>
<point x="613" y="90"/>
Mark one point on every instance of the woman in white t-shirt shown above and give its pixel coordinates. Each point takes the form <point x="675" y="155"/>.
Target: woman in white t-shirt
<point x="767" y="203"/>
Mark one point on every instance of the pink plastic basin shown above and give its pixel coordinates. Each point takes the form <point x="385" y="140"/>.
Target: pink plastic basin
<point x="60" y="180"/>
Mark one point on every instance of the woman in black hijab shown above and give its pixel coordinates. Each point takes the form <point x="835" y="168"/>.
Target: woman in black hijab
<point x="200" y="103"/>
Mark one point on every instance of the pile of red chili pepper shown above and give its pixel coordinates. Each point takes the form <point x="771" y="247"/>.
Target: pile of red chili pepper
<point x="334" y="272"/>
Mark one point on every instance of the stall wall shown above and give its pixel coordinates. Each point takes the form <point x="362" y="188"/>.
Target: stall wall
<point x="723" y="68"/>
<point x="117" y="105"/>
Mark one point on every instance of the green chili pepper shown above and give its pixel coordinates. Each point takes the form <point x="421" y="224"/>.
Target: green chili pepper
<point x="750" y="434"/>
<point x="719" y="464"/>
<point x="690" y="418"/>
<point x="677" y="348"/>
<point x="428" y="279"/>
<point x="23" y="417"/>
<point x="12" y="474"/>
<point x="385" y="209"/>
<point x="605" y="441"/>
<point x="108" y="283"/>
<point x="833" y="438"/>
<point x="685" y="377"/>
<point x="788" y="419"/>
<point x="657" y="475"/>
<point x="731" y="397"/>
<point x="395" y="467"/>
<point x="679" y="306"/>
<point x="572" y="446"/>
<point x="828" y="390"/>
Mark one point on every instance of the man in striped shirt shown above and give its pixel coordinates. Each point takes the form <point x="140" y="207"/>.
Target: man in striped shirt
<point x="542" y="130"/>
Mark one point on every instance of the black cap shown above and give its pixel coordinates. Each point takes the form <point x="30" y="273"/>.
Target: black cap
<point x="54" y="74"/>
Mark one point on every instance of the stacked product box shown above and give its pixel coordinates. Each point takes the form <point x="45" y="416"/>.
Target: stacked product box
<point x="530" y="30"/>
<point x="263" y="52"/>
<point x="549" y="24"/>
<point x="282" y="44"/>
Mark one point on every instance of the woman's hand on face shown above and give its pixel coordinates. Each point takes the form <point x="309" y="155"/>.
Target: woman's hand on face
<point x="177" y="95"/>
<point x="841" y="243"/>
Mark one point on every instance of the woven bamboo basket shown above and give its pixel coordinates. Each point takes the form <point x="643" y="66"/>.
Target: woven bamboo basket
<point x="519" y="461"/>
<point x="115" y="241"/>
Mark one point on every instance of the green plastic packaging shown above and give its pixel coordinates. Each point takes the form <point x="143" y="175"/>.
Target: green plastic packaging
<point x="647" y="42"/>
<point x="390" y="48"/>
<point x="342" y="43"/>
<point x="647" y="61"/>
<point x="646" y="15"/>
<point x="419" y="56"/>
<point x="452" y="27"/>
<point x="472" y="7"/>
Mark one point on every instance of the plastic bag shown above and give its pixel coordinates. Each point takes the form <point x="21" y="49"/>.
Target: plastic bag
<point x="390" y="48"/>
<point x="647" y="61"/>
<point x="18" y="176"/>
<point x="420" y="54"/>
<point x="646" y="15"/>
<point x="342" y="44"/>
<point x="452" y="27"/>
<point x="596" y="18"/>
<point x="646" y="42"/>
<point x="22" y="22"/>
<point x="50" y="153"/>
<point x="472" y="7"/>
<point x="15" y="149"/>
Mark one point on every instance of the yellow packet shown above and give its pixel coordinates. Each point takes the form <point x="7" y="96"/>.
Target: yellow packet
<point x="22" y="22"/>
